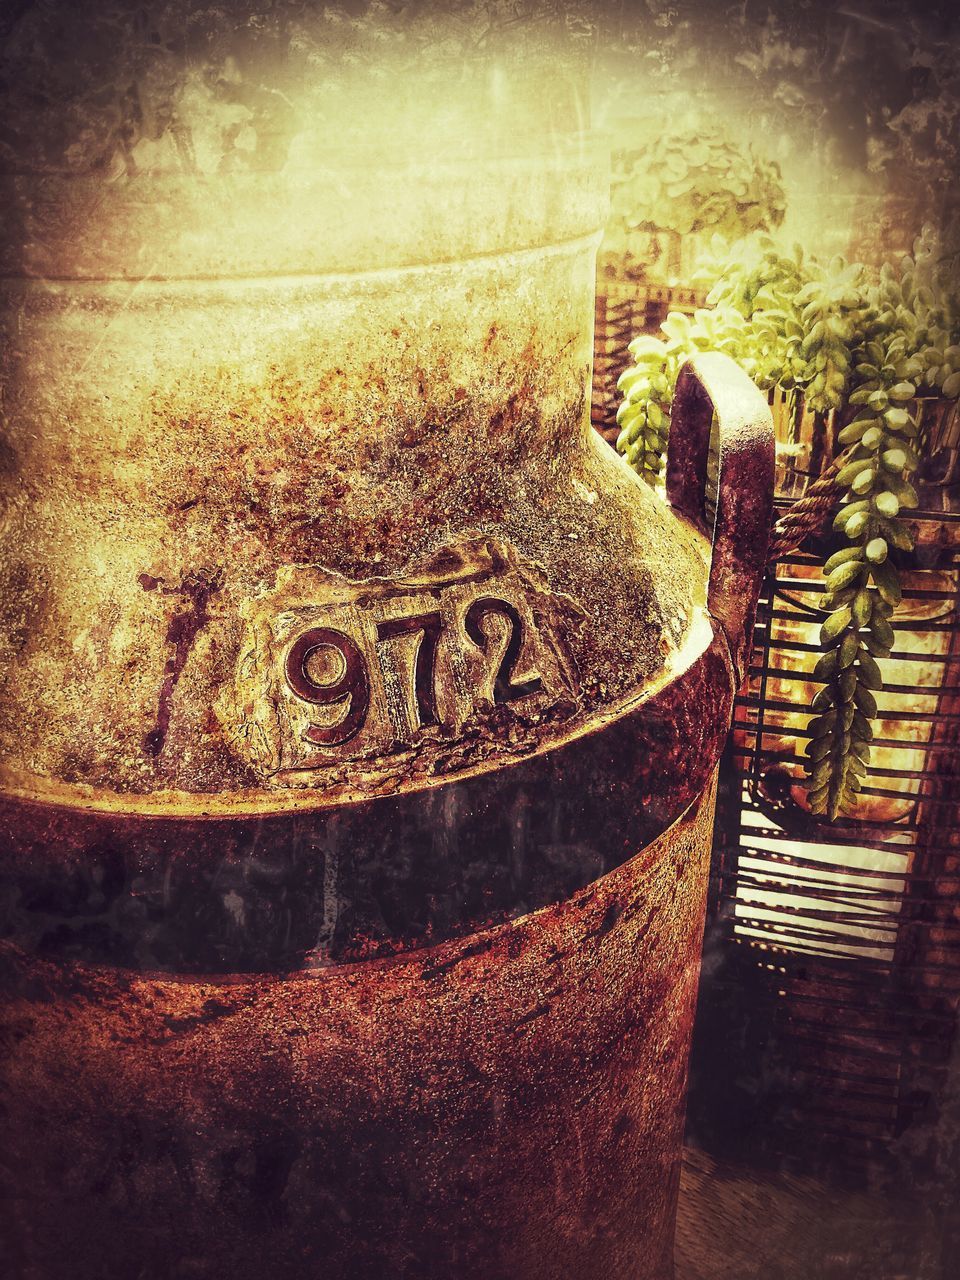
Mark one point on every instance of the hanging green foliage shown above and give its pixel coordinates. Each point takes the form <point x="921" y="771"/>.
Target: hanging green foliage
<point x="861" y="350"/>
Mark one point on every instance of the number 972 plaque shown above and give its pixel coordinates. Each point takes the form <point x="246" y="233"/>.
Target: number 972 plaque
<point x="430" y="672"/>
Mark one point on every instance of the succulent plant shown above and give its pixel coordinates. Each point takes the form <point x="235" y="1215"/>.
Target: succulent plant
<point x="687" y="182"/>
<point x="862" y="583"/>
<point x="862" y="350"/>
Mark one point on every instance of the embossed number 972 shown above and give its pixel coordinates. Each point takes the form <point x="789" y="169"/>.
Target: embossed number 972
<point x="349" y="686"/>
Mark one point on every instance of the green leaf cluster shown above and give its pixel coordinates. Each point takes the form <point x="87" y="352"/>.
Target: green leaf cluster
<point x="689" y="180"/>
<point x="862" y="349"/>
<point x="695" y="179"/>
<point x="862" y="582"/>
<point x="643" y="415"/>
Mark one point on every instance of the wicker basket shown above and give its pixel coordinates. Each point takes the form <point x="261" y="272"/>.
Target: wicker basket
<point x="623" y="310"/>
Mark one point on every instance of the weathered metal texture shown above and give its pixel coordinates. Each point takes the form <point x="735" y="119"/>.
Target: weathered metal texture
<point x="711" y="386"/>
<point x="507" y="1104"/>
<point x="351" y="881"/>
<point x="357" y="765"/>
<point x="386" y="432"/>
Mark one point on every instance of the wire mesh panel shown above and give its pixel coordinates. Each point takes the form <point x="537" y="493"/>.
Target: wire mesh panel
<point x="833" y="972"/>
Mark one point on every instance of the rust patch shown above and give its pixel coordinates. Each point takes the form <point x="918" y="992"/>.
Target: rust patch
<point x="198" y="589"/>
<point x="521" y="1118"/>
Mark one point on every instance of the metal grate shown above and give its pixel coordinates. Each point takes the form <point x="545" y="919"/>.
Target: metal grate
<point x="832" y="978"/>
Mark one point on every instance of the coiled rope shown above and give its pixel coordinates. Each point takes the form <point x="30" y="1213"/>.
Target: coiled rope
<point x="809" y="515"/>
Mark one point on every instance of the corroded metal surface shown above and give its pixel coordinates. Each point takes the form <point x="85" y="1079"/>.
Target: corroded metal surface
<point x="712" y="386"/>
<point x="508" y="1104"/>
<point x="369" y="430"/>
<point x="304" y="887"/>
<point x="362" y="712"/>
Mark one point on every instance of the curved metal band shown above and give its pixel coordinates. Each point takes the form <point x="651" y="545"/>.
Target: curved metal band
<point x="309" y="889"/>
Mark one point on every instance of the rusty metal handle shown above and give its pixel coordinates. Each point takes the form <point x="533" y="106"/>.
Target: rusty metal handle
<point x="712" y="382"/>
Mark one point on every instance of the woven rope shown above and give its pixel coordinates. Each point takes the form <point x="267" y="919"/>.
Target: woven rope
<point x="810" y="514"/>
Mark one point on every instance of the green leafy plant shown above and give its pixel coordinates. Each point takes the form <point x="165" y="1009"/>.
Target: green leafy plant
<point x="863" y="352"/>
<point x="685" y="182"/>
<point x="863" y="585"/>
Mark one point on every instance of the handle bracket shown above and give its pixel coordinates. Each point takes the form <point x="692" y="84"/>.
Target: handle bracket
<point x="713" y="383"/>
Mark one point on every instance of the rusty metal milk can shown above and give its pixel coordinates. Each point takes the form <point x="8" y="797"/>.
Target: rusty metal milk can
<point x="359" y="727"/>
